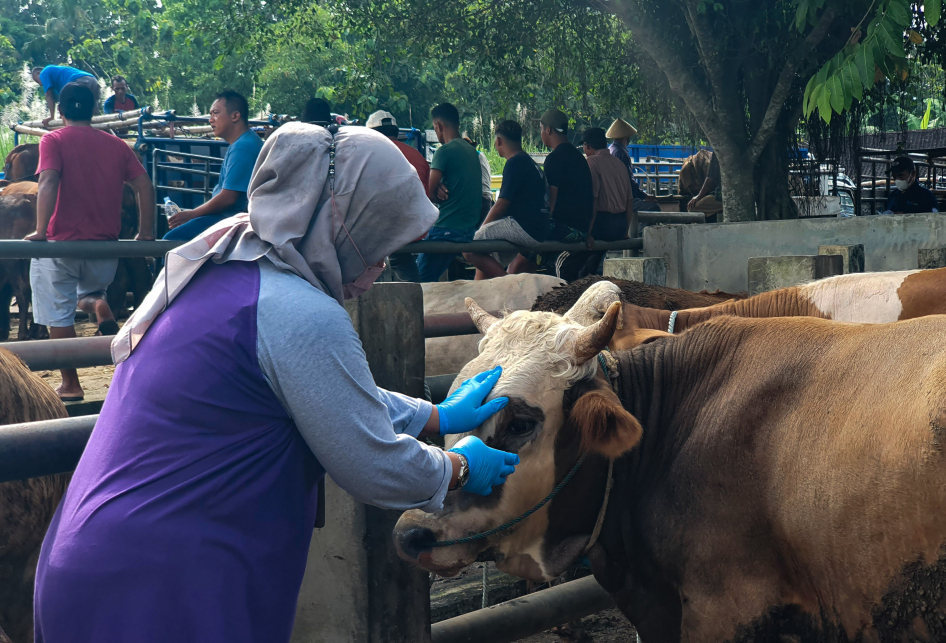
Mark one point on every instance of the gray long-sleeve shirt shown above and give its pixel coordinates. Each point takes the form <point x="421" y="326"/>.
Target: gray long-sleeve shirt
<point x="363" y="436"/>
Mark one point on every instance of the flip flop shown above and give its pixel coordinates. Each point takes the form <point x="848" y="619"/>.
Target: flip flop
<point x="109" y="327"/>
<point x="73" y="398"/>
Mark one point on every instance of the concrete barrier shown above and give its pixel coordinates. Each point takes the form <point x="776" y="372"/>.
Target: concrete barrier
<point x="852" y="257"/>
<point x="648" y="270"/>
<point x="771" y="273"/>
<point x="715" y="255"/>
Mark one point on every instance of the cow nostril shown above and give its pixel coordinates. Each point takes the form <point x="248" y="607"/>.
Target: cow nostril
<point x="416" y="541"/>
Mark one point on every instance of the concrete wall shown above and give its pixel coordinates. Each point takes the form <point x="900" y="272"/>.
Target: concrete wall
<point x="715" y="255"/>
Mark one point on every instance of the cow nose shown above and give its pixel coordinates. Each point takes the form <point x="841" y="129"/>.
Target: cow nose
<point x="416" y="541"/>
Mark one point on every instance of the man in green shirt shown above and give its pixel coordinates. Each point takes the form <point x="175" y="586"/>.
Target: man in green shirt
<point x="455" y="186"/>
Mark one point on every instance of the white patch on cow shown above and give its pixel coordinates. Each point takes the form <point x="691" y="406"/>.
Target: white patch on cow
<point x="868" y="298"/>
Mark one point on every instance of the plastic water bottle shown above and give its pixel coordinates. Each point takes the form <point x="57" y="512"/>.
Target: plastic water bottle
<point x="170" y="207"/>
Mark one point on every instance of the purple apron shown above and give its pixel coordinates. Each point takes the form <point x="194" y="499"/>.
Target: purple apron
<point x="190" y="514"/>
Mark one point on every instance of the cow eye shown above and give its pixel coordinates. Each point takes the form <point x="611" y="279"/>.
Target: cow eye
<point x="520" y="427"/>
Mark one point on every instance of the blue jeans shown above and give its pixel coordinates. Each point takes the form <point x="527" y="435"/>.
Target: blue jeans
<point x="194" y="227"/>
<point x="432" y="265"/>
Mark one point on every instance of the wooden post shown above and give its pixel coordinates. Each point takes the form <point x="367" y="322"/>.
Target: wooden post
<point x="356" y="589"/>
<point x="389" y="319"/>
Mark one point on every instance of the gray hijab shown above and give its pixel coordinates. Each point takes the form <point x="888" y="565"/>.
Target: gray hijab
<point x="330" y="233"/>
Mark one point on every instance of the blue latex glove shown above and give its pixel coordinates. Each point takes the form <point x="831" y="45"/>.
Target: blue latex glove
<point x="488" y="467"/>
<point x="464" y="410"/>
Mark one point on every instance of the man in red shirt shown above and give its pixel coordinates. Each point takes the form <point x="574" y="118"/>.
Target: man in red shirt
<point x="403" y="264"/>
<point x="82" y="172"/>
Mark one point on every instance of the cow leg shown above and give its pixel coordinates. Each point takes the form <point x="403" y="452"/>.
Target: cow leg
<point x="117" y="293"/>
<point x="141" y="279"/>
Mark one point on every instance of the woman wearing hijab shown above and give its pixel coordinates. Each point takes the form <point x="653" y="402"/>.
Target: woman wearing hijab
<point x="240" y="383"/>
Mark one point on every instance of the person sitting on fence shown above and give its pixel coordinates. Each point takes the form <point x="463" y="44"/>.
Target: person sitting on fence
<point x="455" y="186"/>
<point x="487" y="174"/>
<point x="78" y="200"/>
<point x="908" y="197"/>
<point x="54" y="77"/>
<point x="621" y="132"/>
<point x="710" y="199"/>
<point x="613" y="198"/>
<point x="521" y="213"/>
<point x="228" y="118"/>
<point x="404" y="265"/>
<point x="120" y="100"/>
<point x="189" y="516"/>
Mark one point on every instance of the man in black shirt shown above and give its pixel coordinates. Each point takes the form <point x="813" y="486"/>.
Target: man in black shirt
<point x="571" y="194"/>
<point x="908" y="197"/>
<point x="521" y="213"/>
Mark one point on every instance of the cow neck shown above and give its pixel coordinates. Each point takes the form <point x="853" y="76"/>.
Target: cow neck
<point x="785" y="302"/>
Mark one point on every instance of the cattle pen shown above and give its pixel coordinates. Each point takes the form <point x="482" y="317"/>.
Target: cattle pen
<point x="389" y="598"/>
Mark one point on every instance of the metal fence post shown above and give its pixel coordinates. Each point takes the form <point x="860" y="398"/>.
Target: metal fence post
<point x="389" y="319"/>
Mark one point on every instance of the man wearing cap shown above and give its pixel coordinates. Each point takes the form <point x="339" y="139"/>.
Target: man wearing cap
<point x="908" y="197"/>
<point x="54" y="77"/>
<point x="78" y="200"/>
<point x="571" y="194"/>
<point x="611" y="187"/>
<point x="383" y="122"/>
<point x="620" y="133"/>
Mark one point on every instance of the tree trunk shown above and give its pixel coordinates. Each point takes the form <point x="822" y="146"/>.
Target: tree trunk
<point x="738" y="187"/>
<point x="772" y="190"/>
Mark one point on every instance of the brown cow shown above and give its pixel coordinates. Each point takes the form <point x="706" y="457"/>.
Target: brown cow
<point x="26" y="506"/>
<point x="773" y="479"/>
<point x="561" y="298"/>
<point x="17" y="219"/>
<point x="21" y="163"/>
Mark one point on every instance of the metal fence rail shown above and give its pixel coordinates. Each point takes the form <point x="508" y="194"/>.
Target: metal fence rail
<point x="34" y="449"/>
<point x="11" y="249"/>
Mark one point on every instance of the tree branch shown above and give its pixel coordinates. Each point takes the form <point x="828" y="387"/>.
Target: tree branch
<point x="785" y="83"/>
<point x="721" y="77"/>
<point x="668" y="60"/>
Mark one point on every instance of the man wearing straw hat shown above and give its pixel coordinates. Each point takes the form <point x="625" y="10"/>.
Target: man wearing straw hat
<point x="621" y="132"/>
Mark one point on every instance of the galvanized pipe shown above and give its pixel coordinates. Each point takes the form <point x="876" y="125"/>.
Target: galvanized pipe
<point x="439" y="386"/>
<point x="34" y="449"/>
<point x="50" y="354"/>
<point x="522" y="617"/>
<point x="669" y="217"/>
<point x="451" y="324"/>
<point x="447" y="247"/>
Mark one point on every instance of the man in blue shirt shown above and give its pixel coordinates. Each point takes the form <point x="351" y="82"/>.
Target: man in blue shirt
<point x="228" y="118"/>
<point x="54" y="77"/>
<point x="908" y="197"/>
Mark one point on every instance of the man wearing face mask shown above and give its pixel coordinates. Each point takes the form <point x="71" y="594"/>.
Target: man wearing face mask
<point x="908" y="197"/>
<point x="240" y="382"/>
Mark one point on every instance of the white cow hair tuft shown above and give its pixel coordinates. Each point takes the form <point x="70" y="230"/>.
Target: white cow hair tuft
<point x="543" y="341"/>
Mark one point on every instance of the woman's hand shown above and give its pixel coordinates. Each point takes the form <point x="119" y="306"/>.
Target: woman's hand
<point x="488" y="467"/>
<point x="464" y="410"/>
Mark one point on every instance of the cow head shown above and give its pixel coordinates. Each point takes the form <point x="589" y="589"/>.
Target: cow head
<point x="561" y="407"/>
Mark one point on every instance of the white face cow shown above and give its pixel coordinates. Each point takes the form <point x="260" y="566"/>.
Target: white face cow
<point x="560" y="407"/>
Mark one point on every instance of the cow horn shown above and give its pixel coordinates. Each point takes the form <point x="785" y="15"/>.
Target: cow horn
<point x="481" y="319"/>
<point x="593" y="339"/>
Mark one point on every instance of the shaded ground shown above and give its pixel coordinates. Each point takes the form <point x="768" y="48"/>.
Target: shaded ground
<point x="95" y="381"/>
<point x="608" y="626"/>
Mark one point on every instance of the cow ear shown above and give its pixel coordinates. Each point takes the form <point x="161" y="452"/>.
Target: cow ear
<point x="605" y="427"/>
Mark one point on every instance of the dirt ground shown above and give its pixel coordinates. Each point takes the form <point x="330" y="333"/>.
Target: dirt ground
<point x="95" y="381"/>
<point x="608" y="626"/>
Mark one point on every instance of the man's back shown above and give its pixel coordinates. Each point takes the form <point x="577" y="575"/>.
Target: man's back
<point x="567" y="170"/>
<point x="93" y="167"/>
<point x="417" y="160"/>
<point x="525" y="188"/>
<point x="462" y="176"/>
<point x="611" y="184"/>
<point x="55" y="77"/>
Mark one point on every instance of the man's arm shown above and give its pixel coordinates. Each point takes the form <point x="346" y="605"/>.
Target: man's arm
<point x="144" y="191"/>
<point x="436" y="176"/>
<point x="51" y="105"/>
<point x="46" y="196"/>
<point x="708" y="186"/>
<point x="498" y="211"/>
<point x="219" y="203"/>
<point x="553" y="197"/>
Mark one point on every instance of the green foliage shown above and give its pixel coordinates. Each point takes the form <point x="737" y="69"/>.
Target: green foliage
<point x="864" y="61"/>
